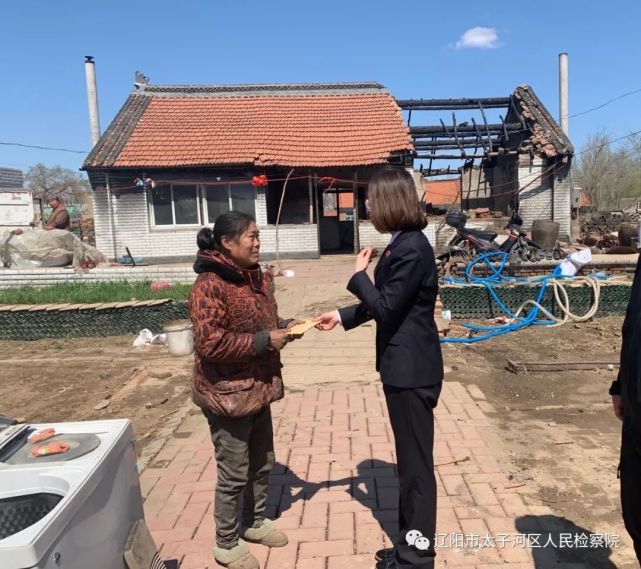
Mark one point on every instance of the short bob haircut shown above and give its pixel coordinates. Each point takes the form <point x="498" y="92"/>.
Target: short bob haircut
<point x="393" y="202"/>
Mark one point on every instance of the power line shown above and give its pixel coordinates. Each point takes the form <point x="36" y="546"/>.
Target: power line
<point x="43" y="147"/>
<point x="608" y="142"/>
<point x="606" y="103"/>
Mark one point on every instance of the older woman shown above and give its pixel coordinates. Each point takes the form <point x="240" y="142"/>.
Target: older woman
<point x="237" y="375"/>
<point x="401" y="300"/>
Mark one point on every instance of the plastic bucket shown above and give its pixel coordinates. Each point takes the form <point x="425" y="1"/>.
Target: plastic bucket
<point x="180" y="338"/>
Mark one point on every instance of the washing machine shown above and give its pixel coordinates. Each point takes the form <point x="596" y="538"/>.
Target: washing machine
<point x="73" y="510"/>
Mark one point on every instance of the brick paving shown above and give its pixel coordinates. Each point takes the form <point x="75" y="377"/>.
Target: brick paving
<point x="334" y="489"/>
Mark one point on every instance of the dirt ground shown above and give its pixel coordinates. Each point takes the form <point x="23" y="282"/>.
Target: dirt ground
<point x="70" y="380"/>
<point x="561" y="436"/>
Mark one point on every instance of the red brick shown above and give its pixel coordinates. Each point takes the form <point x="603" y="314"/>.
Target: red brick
<point x="483" y="494"/>
<point x="202" y="560"/>
<point x="306" y="534"/>
<point x="164" y="522"/>
<point x="340" y="526"/>
<point x="326" y="496"/>
<point x="454" y="484"/>
<point x="350" y="562"/>
<point x="479" y="512"/>
<point x="282" y="557"/>
<point x="315" y="515"/>
<point x="369" y="538"/>
<point x="326" y="548"/>
<point x="173" y="549"/>
<point x="206" y="497"/>
<point x="315" y="563"/>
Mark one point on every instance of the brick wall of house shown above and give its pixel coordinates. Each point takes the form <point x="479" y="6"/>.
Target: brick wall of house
<point x="132" y="229"/>
<point x="438" y="236"/>
<point x="536" y="200"/>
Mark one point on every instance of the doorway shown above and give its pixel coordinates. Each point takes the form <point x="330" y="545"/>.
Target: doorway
<point x="336" y="223"/>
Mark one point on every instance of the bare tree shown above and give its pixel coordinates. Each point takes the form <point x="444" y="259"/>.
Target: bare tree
<point x="44" y="181"/>
<point x="603" y="172"/>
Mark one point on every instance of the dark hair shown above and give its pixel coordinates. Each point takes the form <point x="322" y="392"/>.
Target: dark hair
<point x="393" y="202"/>
<point x="231" y="225"/>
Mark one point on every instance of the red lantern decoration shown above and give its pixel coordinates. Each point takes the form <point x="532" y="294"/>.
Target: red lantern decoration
<point x="259" y="181"/>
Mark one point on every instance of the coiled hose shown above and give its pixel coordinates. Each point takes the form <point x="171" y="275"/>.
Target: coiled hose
<point x="531" y="312"/>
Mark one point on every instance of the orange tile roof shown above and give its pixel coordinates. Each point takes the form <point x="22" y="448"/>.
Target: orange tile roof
<point x="442" y="192"/>
<point x="292" y="129"/>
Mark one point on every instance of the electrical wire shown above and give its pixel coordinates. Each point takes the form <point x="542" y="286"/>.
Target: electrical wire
<point x="43" y="147"/>
<point x="608" y="102"/>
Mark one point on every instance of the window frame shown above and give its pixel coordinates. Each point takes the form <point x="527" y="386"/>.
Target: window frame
<point x="201" y="205"/>
<point x="174" y="225"/>
<point x="230" y="202"/>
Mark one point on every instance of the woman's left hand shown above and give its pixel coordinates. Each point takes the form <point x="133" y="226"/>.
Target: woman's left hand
<point x="363" y="259"/>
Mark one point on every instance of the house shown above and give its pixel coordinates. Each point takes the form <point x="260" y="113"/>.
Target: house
<point x="296" y="156"/>
<point x="16" y="202"/>
<point x="511" y="151"/>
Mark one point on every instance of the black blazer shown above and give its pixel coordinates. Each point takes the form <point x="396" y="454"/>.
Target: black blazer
<point x="401" y="301"/>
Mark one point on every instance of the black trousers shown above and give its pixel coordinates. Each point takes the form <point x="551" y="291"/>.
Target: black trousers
<point x="411" y="413"/>
<point x="630" y="473"/>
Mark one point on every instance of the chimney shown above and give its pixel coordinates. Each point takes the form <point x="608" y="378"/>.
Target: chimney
<point x="92" y="99"/>
<point x="563" y="92"/>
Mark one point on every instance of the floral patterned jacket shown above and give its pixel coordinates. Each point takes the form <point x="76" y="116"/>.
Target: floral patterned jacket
<point x="236" y="373"/>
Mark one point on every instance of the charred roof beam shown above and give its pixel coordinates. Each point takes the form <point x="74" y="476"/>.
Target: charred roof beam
<point x="468" y="129"/>
<point x="452" y="104"/>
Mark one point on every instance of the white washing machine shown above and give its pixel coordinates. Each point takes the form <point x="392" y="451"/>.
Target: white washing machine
<point x="73" y="510"/>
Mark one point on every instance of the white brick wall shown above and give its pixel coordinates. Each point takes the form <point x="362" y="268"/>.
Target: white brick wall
<point x="298" y="240"/>
<point x="261" y="206"/>
<point x="536" y="200"/>
<point x="438" y="238"/>
<point x="369" y="237"/>
<point x="133" y="230"/>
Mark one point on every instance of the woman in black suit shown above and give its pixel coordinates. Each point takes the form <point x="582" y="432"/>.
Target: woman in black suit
<point x="401" y="300"/>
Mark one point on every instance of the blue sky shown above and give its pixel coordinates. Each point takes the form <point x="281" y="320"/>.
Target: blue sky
<point x="411" y="48"/>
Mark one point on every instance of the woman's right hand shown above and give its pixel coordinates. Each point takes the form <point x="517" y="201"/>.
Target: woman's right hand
<point x="327" y="321"/>
<point x="278" y="339"/>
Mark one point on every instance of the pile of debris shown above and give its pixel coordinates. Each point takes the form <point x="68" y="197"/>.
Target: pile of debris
<point x="606" y="230"/>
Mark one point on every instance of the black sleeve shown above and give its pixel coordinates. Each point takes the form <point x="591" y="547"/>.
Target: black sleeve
<point x="407" y="270"/>
<point x="353" y="316"/>
<point x="631" y="317"/>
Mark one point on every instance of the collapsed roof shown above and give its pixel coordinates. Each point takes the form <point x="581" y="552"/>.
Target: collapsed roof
<point x="525" y="126"/>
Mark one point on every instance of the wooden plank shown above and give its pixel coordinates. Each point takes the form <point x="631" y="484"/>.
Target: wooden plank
<point x="517" y="367"/>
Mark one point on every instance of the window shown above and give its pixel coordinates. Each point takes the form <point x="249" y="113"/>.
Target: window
<point x="243" y="198"/>
<point x="296" y="205"/>
<point x="222" y="198"/>
<point x="174" y="204"/>
<point x="193" y="204"/>
<point x="217" y="201"/>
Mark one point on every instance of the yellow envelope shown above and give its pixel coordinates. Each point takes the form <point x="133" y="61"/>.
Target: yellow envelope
<point x="300" y="329"/>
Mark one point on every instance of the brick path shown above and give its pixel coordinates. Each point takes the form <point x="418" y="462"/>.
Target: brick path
<point x="334" y="489"/>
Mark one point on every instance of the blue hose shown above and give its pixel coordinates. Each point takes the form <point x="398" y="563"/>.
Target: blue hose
<point x="495" y="277"/>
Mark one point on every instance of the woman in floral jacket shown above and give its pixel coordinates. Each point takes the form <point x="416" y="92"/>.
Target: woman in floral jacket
<point x="237" y="375"/>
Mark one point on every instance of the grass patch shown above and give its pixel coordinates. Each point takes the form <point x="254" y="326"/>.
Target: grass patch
<point x="89" y="293"/>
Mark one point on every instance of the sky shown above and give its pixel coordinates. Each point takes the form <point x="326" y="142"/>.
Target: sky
<point x="469" y="48"/>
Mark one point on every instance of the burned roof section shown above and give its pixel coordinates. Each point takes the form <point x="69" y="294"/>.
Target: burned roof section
<point x="516" y="124"/>
<point x="547" y="137"/>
